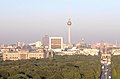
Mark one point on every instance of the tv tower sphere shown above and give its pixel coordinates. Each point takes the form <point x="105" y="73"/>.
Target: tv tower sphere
<point x="69" y="22"/>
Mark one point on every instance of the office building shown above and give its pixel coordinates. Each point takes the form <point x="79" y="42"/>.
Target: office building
<point x="45" y="41"/>
<point x="56" y="43"/>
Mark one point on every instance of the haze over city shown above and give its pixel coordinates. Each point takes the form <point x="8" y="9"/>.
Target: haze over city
<point x="29" y="21"/>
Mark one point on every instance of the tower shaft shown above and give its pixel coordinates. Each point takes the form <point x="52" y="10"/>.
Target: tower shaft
<point x="69" y="41"/>
<point x="69" y="25"/>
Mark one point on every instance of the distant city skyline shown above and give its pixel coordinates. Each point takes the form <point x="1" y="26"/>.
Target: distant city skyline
<point x="30" y="20"/>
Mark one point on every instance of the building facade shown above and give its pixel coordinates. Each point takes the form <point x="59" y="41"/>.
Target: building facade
<point x="45" y="41"/>
<point x="55" y="43"/>
<point x="18" y="55"/>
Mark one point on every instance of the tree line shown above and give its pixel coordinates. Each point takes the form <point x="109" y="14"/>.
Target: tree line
<point x="115" y="67"/>
<point x="61" y="67"/>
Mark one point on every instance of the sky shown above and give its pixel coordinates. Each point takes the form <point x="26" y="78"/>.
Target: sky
<point x="30" y="20"/>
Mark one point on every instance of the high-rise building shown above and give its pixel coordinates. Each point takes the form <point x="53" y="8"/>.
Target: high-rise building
<point x="45" y="41"/>
<point x="69" y="38"/>
<point x="56" y="43"/>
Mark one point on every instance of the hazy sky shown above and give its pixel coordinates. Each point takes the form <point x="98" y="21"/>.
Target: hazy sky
<point x="30" y="20"/>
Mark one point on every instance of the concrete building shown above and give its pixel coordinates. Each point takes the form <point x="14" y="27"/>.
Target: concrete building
<point x="56" y="43"/>
<point x="18" y="55"/>
<point x="45" y="41"/>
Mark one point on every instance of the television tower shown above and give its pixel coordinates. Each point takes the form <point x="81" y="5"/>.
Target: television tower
<point x="69" y="24"/>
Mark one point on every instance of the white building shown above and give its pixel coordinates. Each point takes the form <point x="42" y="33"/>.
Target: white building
<point x="56" y="43"/>
<point x="38" y="44"/>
